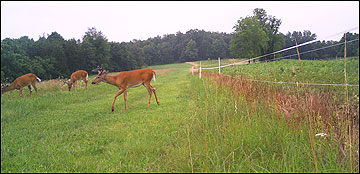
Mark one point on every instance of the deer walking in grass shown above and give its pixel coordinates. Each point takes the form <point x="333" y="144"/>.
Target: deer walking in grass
<point x="128" y="79"/>
<point x="77" y="75"/>
<point x="22" y="81"/>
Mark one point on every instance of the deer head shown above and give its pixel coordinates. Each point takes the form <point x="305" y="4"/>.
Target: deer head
<point x="100" y="77"/>
<point x="69" y="83"/>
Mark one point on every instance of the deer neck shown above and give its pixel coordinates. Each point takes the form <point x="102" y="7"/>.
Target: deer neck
<point x="110" y="79"/>
<point x="8" y="88"/>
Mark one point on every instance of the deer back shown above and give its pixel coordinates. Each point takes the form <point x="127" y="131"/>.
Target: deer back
<point x="134" y="77"/>
<point x="78" y="75"/>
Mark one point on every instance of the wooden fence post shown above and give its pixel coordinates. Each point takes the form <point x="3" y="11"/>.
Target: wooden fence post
<point x="297" y="49"/>
<point x="345" y="60"/>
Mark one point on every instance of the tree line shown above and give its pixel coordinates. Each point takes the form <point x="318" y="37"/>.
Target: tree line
<point x="52" y="56"/>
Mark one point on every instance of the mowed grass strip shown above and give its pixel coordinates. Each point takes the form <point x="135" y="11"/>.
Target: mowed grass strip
<point x="76" y="131"/>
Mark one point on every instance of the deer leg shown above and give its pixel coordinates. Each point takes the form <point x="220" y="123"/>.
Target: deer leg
<point x="154" y="90"/>
<point x="85" y="83"/>
<point x="117" y="94"/>
<point x="20" y="92"/>
<point x="30" y="90"/>
<point x="35" y="89"/>
<point x="34" y="86"/>
<point x="125" y="99"/>
<point x="147" y="86"/>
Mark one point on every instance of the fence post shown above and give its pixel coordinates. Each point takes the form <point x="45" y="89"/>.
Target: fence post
<point x="274" y="57"/>
<point x="297" y="49"/>
<point x="200" y="71"/>
<point x="219" y="65"/>
<point x="345" y="61"/>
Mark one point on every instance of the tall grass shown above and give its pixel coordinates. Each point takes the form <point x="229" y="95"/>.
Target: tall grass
<point x="321" y="110"/>
<point x="235" y="134"/>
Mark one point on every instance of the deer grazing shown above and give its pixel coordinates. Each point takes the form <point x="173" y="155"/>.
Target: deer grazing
<point x="127" y="79"/>
<point x="22" y="81"/>
<point x="77" y="75"/>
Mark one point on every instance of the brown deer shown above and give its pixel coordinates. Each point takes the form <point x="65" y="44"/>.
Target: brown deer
<point x="77" y="75"/>
<point x="22" y="81"/>
<point x="128" y="79"/>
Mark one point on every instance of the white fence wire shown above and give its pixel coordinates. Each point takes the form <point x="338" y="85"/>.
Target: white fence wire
<point x="285" y="49"/>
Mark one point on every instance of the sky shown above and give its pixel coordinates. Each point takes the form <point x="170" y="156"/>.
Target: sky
<point x="124" y="21"/>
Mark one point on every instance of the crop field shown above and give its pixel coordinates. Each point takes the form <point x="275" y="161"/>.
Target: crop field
<point x="212" y="124"/>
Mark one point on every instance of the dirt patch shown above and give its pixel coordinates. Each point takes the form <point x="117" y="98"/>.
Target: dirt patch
<point x="192" y="63"/>
<point x="193" y="68"/>
<point x="160" y="72"/>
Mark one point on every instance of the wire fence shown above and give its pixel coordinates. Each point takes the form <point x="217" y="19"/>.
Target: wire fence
<point x="248" y="61"/>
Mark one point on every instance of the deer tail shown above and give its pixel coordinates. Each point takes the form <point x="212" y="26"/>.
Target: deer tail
<point x="154" y="76"/>
<point x="38" y="79"/>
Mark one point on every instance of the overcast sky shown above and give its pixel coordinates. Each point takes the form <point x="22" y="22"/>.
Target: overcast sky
<point x="124" y="21"/>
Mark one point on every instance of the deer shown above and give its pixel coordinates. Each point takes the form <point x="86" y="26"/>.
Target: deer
<point x="22" y="81"/>
<point x="128" y="79"/>
<point x="77" y="75"/>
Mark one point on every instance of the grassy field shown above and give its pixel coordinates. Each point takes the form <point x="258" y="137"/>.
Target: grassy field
<point x="199" y="126"/>
<point x="61" y="131"/>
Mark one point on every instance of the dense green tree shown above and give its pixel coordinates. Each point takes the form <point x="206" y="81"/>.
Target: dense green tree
<point x="74" y="58"/>
<point x="301" y="37"/>
<point x="190" y="52"/>
<point x="119" y="58"/>
<point x="271" y="26"/>
<point x="55" y="49"/>
<point x="44" y="67"/>
<point x="136" y="55"/>
<point x="165" y="52"/>
<point x="218" y="48"/>
<point x="14" y="62"/>
<point x="95" y="49"/>
<point x="249" y="39"/>
<point x="150" y="53"/>
<point x="42" y="49"/>
<point x="352" y="48"/>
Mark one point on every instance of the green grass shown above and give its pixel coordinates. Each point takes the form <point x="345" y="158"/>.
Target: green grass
<point x="251" y="137"/>
<point x="77" y="132"/>
<point x="196" y="128"/>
